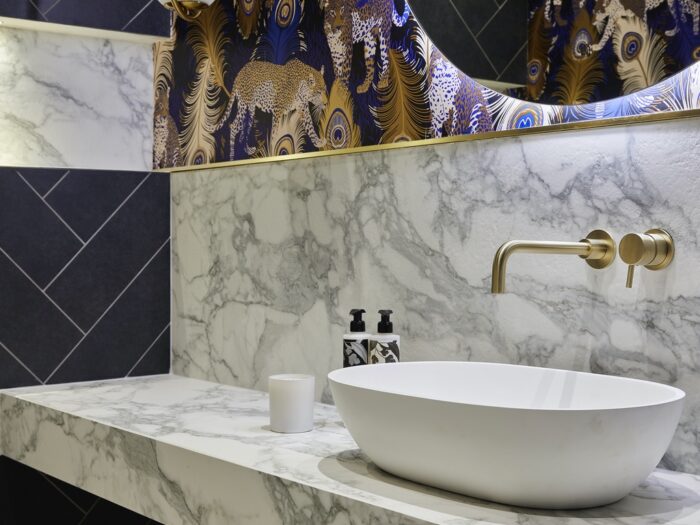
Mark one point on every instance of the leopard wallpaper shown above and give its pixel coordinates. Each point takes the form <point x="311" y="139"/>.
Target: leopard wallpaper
<point x="256" y="78"/>
<point x="587" y="50"/>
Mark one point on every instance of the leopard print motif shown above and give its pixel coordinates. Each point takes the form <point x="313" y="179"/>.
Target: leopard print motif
<point x="346" y="25"/>
<point x="166" y="147"/>
<point x="279" y="90"/>
<point x="606" y="14"/>
<point x="444" y="86"/>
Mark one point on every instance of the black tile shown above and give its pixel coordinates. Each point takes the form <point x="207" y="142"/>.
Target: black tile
<point x="107" y="513"/>
<point x="476" y="13"/>
<point x="30" y="326"/>
<point x="19" y="9"/>
<point x="30" y="232"/>
<point x="516" y="72"/>
<point x="128" y="329"/>
<point x="85" y="199"/>
<point x="505" y="34"/>
<point x="107" y="264"/>
<point x="455" y="42"/>
<point x="157" y="360"/>
<point x="12" y="374"/>
<point x="42" y="179"/>
<point x="81" y="498"/>
<point x="154" y="20"/>
<point x="27" y="498"/>
<point x="105" y="14"/>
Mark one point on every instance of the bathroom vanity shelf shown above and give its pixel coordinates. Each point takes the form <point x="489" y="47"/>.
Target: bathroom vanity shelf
<point x="184" y="451"/>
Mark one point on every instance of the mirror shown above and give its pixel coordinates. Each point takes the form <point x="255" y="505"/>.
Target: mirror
<point x="565" y="51"/>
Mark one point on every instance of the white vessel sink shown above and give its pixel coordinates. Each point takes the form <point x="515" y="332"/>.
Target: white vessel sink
<point x="533" y="437"/>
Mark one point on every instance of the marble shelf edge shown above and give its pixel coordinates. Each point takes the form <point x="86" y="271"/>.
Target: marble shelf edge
<point x="145" y="475"/>
<point x="185" y="451"/>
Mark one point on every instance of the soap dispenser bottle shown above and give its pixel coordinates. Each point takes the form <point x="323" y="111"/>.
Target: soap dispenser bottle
<point x="356" y="343"/>
<point x="384" y="345"/>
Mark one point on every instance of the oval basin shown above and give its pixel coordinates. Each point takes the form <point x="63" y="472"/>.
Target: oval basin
<point x="526" y="436"/>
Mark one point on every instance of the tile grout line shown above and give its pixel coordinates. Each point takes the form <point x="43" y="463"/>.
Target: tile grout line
<point x="42" y="291"/>
<point x="51" y="208"/>
<point x="495" y="13"/>
<point x="137" y="15"/>
<point x="92" y="507"/>
<point x="505" y="68"/>
<point x="38" y="10"/>
<point x="58" y="489"/>
<point x="474" y="37"/>
<point x="148" y="349"/>
<point x="59" y="181"/>
<point x="48" y="378"/>
<point x="50" y="8"/>
<point x="70" y="261"/>
<point x="2" y="345"/>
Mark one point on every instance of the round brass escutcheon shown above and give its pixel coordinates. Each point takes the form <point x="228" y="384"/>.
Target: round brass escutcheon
<point x="666" y="249"/>
<point x="601" y="238"/>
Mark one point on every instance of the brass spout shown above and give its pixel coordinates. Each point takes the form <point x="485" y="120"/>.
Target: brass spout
<point x="598" y="249"/>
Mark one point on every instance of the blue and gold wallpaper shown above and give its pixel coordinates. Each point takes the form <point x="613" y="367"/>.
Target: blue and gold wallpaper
<point x="588" y="50"/>
<point x="256" y="78"/>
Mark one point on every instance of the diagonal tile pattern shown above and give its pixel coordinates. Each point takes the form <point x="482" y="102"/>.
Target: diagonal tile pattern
<point x="84" y="294"/>
<point x="484" y="38"/>
<point x="82" y="255"/>
<point x="133" y="16"/>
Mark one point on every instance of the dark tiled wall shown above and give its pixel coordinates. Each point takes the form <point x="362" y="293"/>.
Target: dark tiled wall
<point x="84" y="295"/>
<point x="484" y="38"/>
<point x="134" y="16"/>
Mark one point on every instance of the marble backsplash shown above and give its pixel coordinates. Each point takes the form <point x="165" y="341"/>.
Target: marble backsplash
<point x="269" y="258"/>
<point x="77" y="102"/>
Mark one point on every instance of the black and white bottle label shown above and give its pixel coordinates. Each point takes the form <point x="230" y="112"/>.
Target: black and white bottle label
<point x="355" y="352"/>
<point x="384" y="352"/>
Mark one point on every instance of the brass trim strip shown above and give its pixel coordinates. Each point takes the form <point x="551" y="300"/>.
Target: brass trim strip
<point x="569" y="126"/>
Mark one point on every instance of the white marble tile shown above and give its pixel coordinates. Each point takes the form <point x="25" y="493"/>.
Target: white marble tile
<point x="268" y="259"/>
<point x="183" y="451"/>
<point x="79" y="102"/>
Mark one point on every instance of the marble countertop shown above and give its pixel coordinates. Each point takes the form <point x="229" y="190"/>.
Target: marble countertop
<point x="181" y="450"/>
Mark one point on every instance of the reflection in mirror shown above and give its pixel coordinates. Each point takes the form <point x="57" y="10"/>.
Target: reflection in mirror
<point x="565" y="51"/>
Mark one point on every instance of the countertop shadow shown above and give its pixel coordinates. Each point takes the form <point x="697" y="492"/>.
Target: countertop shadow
<point x="656" y="501"/>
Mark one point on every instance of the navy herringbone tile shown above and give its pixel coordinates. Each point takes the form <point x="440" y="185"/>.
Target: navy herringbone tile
<point x="154" y="20"/>
<point x="109" y="15"/>
<point x="20" y="9"/>
<point x="85" y="198"/>
<point x="135" y="16"/>
<point x="13" y="374"/>
<point x="30" y="326"/>
<point x="103" y="269"/>
<point x="42" y="179"/>
<point x="30" y="232"/>
<point x="126" y="331"/>
<point x="157" y="360"/>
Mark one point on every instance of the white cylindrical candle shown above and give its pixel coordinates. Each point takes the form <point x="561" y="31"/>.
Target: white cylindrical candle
<point x="291" y="402"/>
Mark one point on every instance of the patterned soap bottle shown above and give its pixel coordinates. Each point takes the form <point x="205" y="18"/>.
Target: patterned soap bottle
<point x="356" y="343"/>
<point x="384" y="346"/>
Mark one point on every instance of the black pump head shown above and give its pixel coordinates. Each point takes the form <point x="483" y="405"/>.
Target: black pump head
<point x="357" y="324"/>
<point x="385" y="326"/>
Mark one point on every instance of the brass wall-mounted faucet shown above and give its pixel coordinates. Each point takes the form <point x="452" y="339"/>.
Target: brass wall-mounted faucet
<point x="653" y="249"/>
<point x="598" y="249"/>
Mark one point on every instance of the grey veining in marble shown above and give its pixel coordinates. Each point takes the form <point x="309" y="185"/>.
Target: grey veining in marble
<point x="268" y="259"/>
<point x="79" y="102"/>
<point x="184" y="451"/>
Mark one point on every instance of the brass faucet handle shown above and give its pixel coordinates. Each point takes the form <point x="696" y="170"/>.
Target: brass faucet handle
<point x="653" y="249"/>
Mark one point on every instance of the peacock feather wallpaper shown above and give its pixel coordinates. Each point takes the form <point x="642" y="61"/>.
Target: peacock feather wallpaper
<point x="587" y="50"/>
<point x="257" y="78"/>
